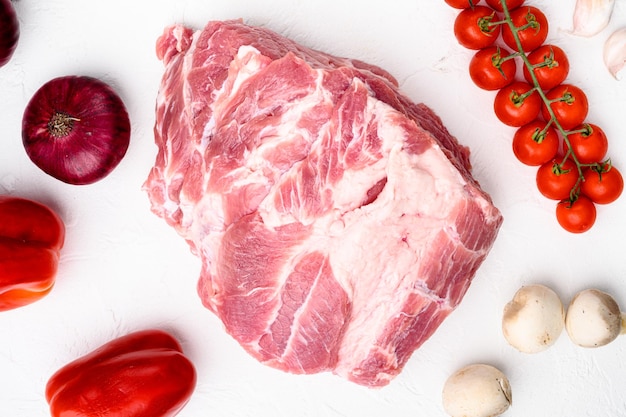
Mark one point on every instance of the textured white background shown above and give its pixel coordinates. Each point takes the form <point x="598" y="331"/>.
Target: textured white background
<point x="123" y="269"/>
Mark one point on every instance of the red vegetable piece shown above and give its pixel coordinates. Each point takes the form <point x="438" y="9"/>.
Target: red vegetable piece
<point x="76" y="129"/>
<point x="556" y="181"/>
<point x="474" y="28"/>
<point x="532" y="27"/>
<point x="588" y="143"/>
<point x="551" y="66"/>
<point x="142" y="374"/>
<point x="9" y="31"/>
<point x="490" y="70"/>
<point x="603" y="185"/>
<point x="535" y="144"/>
<point x="577" y="216"/>
<point x="510" y="4"/>
<point x="569" y="104"/>
<point x="517" y="104"/>
<point x="462" y="4"/>
<point x="31" y="237"/>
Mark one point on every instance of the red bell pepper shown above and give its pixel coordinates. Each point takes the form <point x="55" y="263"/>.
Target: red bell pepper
<point x="142" y="374"/>
<point x="31" y="238"/>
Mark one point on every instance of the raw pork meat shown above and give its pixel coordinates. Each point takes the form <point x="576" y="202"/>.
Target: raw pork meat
<point x="337" y="222"/>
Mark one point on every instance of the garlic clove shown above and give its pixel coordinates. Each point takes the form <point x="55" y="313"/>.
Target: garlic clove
<point x="591" y="16"/>
<point x="614" y="53"/>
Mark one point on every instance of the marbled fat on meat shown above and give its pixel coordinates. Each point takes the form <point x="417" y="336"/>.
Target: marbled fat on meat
<point x="337" y="222"/>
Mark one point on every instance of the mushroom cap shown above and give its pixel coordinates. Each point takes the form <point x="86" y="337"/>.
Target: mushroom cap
<point x="534" y="319"/>
<point x="477" y="390"/>
<point x="593" y="319"/>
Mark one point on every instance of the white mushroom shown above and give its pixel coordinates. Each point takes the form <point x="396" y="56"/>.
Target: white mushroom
<point x="594" y="319"/>
<point x="477" y="390"/>
<point x="534" y="319"/>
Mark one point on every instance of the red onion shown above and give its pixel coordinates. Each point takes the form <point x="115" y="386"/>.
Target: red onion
<point x="76" y="129"/>
<point x="9" y="31"/>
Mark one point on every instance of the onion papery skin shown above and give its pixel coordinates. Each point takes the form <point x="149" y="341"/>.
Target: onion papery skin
<point x="95" y="141"/>
<point x="9" y="31"/>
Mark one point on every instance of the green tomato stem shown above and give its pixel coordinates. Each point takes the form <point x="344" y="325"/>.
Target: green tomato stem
<point x="539" y="135"/>
<point x="486" y="24"/>
<point x="586" y="130"/>
<point x="548" y="61"/>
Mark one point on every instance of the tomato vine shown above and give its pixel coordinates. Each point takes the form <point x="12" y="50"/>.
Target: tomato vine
<point x="540" y="107"/>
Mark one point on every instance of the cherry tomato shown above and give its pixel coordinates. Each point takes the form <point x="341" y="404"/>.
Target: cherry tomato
<point x="473" y="28"/>
<point x="489" y="70"/>
<point x="462" y="4"/>
<point x="532" y="27"/>
<point x="551" y="66"/>
<point x="510" y="4"/>
<point x="535" y="145"/>
<point x="517" y="104"/>
<point x="588" y="143"/>
<point x="577" y="216"/>
<point x="569" y="104"/>
<point x="602" y="186"/>
<point x="556" y="181"/>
